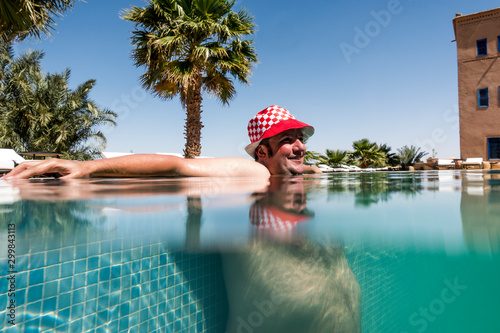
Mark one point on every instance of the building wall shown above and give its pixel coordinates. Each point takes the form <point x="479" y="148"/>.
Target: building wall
<point x="475" y="72"/>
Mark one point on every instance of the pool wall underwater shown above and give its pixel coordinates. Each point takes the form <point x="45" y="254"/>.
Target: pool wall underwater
<point x="112" y="285"/>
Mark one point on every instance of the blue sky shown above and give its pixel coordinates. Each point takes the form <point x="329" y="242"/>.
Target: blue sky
<point x="382" y="70"/>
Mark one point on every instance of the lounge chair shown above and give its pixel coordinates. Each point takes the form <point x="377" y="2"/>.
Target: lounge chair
<point x="106" y="154"/>
<point x="173" y="154"/>
<point x="325" y="168"/>
<point x="473" y="163"/>
<point x="9" y="159"/>
<point x="445" y="164"/>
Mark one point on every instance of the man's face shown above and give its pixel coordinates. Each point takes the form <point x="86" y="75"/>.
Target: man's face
<point x="288" y="151"/>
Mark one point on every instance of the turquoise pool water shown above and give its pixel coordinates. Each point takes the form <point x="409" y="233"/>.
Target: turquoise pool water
<point x="344" y="252"/>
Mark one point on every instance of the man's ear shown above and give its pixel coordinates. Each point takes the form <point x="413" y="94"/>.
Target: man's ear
<point x="261" y="151"/>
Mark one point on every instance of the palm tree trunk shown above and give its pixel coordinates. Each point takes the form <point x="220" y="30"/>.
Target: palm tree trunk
<point x="193" y="121"/>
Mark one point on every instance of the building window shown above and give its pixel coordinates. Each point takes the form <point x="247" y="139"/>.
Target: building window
<point x="482" y="96"/>
<point x="481" y="47"/>
<point x="493" y="148"/>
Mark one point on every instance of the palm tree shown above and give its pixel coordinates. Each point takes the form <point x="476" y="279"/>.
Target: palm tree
<point x="22" y="18"/>
<point x="311" y="157"/>
<point x="410" y="155"/>
<point x="367" y="154"/>
<point x="192" y="46"/>
<point x="38" y="112"/>
<point x="392" y="158"/>
<point x="334" y="158"/>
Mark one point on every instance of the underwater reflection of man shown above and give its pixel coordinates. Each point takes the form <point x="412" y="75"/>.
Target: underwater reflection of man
<point x="283" y="283"/>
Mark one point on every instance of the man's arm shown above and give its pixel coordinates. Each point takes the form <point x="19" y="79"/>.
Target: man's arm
<point x="141" y="166"/>
<point x="312" y="169"/>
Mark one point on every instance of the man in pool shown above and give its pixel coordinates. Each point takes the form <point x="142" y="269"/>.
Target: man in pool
<point x="276" y="144"/>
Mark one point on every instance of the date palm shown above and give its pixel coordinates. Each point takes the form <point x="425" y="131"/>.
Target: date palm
<point x="190" y="47"/>
<point x="22" y="18"/>
<point x="367" y="154"/>
<point x="410" y="155"/>
<point x="334" y="158"/>
<point x="38" y="111"/>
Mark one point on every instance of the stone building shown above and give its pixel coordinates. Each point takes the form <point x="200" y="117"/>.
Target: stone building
<point x="478" y="56"/>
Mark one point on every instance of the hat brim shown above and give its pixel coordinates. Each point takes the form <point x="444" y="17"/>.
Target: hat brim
<point x="307" y="131"/>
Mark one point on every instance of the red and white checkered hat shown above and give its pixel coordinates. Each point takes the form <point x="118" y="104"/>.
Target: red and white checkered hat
<point x="271" y="121"/>
<point x="273" y="219"/>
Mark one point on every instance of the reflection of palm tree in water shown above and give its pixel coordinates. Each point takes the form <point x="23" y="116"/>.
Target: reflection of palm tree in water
<point x="193" y="223"/>
<point x="295" y="285"/>
<point x="374" y="187"/>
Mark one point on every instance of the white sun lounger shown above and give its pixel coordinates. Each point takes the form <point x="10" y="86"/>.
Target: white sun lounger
<point x="446" y="163"/>
<point x="473" y="163"/>
<point x="106" y="154"/>
<point x="9" y="159"/>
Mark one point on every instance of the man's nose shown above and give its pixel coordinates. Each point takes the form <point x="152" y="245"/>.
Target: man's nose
<point x="299" y="146"/>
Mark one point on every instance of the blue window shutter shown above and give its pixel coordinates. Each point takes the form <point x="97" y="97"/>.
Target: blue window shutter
<point x="482" y="48"/>
<point x="482" y="97"/>
<point x="493" y="148"/>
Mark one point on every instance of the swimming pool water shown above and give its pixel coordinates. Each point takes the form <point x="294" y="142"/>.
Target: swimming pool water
<point x="376" y="252"/>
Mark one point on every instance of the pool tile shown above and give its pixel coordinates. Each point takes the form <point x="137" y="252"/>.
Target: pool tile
<point x="103" y="302"/>
<point x="125" y="295"/>
<point x="116" y="271"/>
<point x="50" y="289"/>
<point x="126" y="281"/>
<point x="47" y="321"/>
<point x="90" y="306"/>
<point x="37" y="260"/>
<point x="66" y="269"/>
<point x="91" y="292"/>
<point x="105" y="246"/>
<point x="104" y="274"/>
<point x="50" y="304"/>
<point x="53" y="257"/>
<point x="116" y="258"/>
<point x="20" y="296"/>
<point x="65" y="285"/>
<point x="92" y="277"/>
<point x="124" y="324"/>
<point x="89" y="323"/>
<point x="104" y="288"/>
<point x="35" y="293"/>
<point x="64" y="300"/>
<point x="79" y="280"/>
<point x="78" y="296"/>
<point x="67" y="254"/>
<point x="35" y="307"/>
<point x="93" y="263"/>
<point x="76" y="326"/>
<point x="80" y="266"/>
<point x="63" y="314"/>
<point x="114" y="312"/>
<point x="93" y="249"/>
<point x="105" y="260"/>
<point x="124" y="309"/>
<point x="114" y="298"/>
<point x="52" y="272"/>
<point x="81" y="251"/>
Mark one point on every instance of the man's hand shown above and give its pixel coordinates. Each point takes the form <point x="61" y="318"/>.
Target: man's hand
<point x="67" y="169"/>
<point x="312" y="169"/>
